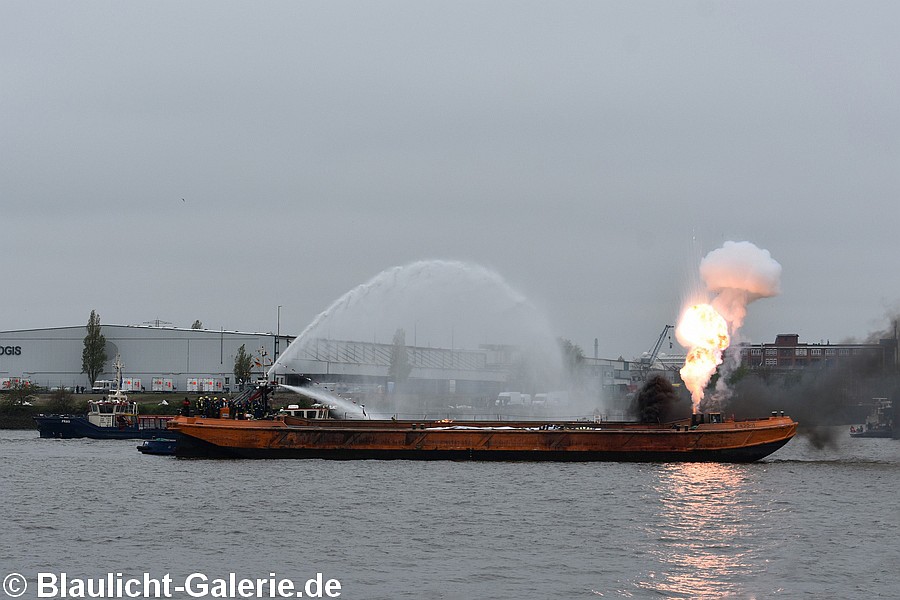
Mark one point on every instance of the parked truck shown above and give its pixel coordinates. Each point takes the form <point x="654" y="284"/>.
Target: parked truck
<point x="162" y="384"/>
<point x="206" y="384"/>
<point x="131" y="384"/>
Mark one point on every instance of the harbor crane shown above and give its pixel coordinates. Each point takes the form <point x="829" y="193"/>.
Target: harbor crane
<point x="647" y="361"/>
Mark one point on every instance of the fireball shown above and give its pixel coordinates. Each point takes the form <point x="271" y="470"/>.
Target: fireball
<point x="705" y="332"/>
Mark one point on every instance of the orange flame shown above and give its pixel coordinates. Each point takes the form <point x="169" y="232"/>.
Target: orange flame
<point x="705" y="332"/>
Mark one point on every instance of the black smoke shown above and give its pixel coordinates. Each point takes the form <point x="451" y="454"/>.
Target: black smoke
<point x="817" y="398"/>
<point x="659" y="402"/>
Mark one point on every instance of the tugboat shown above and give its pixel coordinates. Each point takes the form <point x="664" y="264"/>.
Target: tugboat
<point x="114" y="417"/>
<point x="879" y="423"/>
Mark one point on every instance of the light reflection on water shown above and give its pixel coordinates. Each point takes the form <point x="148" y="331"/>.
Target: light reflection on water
<point x="701" y="531"/>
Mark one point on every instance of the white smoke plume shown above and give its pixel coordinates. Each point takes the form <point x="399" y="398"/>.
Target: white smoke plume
<point x="739" y="273"/>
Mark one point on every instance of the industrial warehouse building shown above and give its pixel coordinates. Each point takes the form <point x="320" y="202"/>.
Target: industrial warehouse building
<point x="178" y="359"/>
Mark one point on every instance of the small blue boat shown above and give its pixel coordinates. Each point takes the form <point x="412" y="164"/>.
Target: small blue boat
<point x="160" y="446"/>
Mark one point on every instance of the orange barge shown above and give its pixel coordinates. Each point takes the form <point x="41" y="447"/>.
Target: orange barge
<point x="706" y="437"/>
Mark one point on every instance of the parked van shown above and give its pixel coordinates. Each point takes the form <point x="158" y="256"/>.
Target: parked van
<point x="513" y="399"/>
<point x="103" y="386"/>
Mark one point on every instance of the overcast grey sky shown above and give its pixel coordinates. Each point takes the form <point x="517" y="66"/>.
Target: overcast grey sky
<point x="588" y="152"/>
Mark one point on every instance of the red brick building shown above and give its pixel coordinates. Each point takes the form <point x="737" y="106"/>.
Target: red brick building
<point x="787" y="352"/>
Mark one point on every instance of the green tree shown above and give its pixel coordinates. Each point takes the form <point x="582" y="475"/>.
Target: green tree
<point x="573" y="357"/>
<point x="93" y="357"/>
<point x="399" y="370"/>
<point x="242" y="365"/>
<point x="61" y="402"/>
<point x="17" y="399"/>
<point x="572" y="354"/>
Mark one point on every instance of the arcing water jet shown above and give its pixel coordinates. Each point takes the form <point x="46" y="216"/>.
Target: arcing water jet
<point x="442" y="303"/>
<point x="438" y="303"/>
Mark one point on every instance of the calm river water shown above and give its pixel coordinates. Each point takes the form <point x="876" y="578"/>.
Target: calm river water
<point x="803" y="523"/>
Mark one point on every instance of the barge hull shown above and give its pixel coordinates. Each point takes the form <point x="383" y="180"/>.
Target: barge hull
<point x="189" y="447"/>
<point x="741" y="442"/>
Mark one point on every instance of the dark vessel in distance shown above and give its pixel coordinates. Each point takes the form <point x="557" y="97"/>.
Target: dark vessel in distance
<point x="879" y="424"/>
